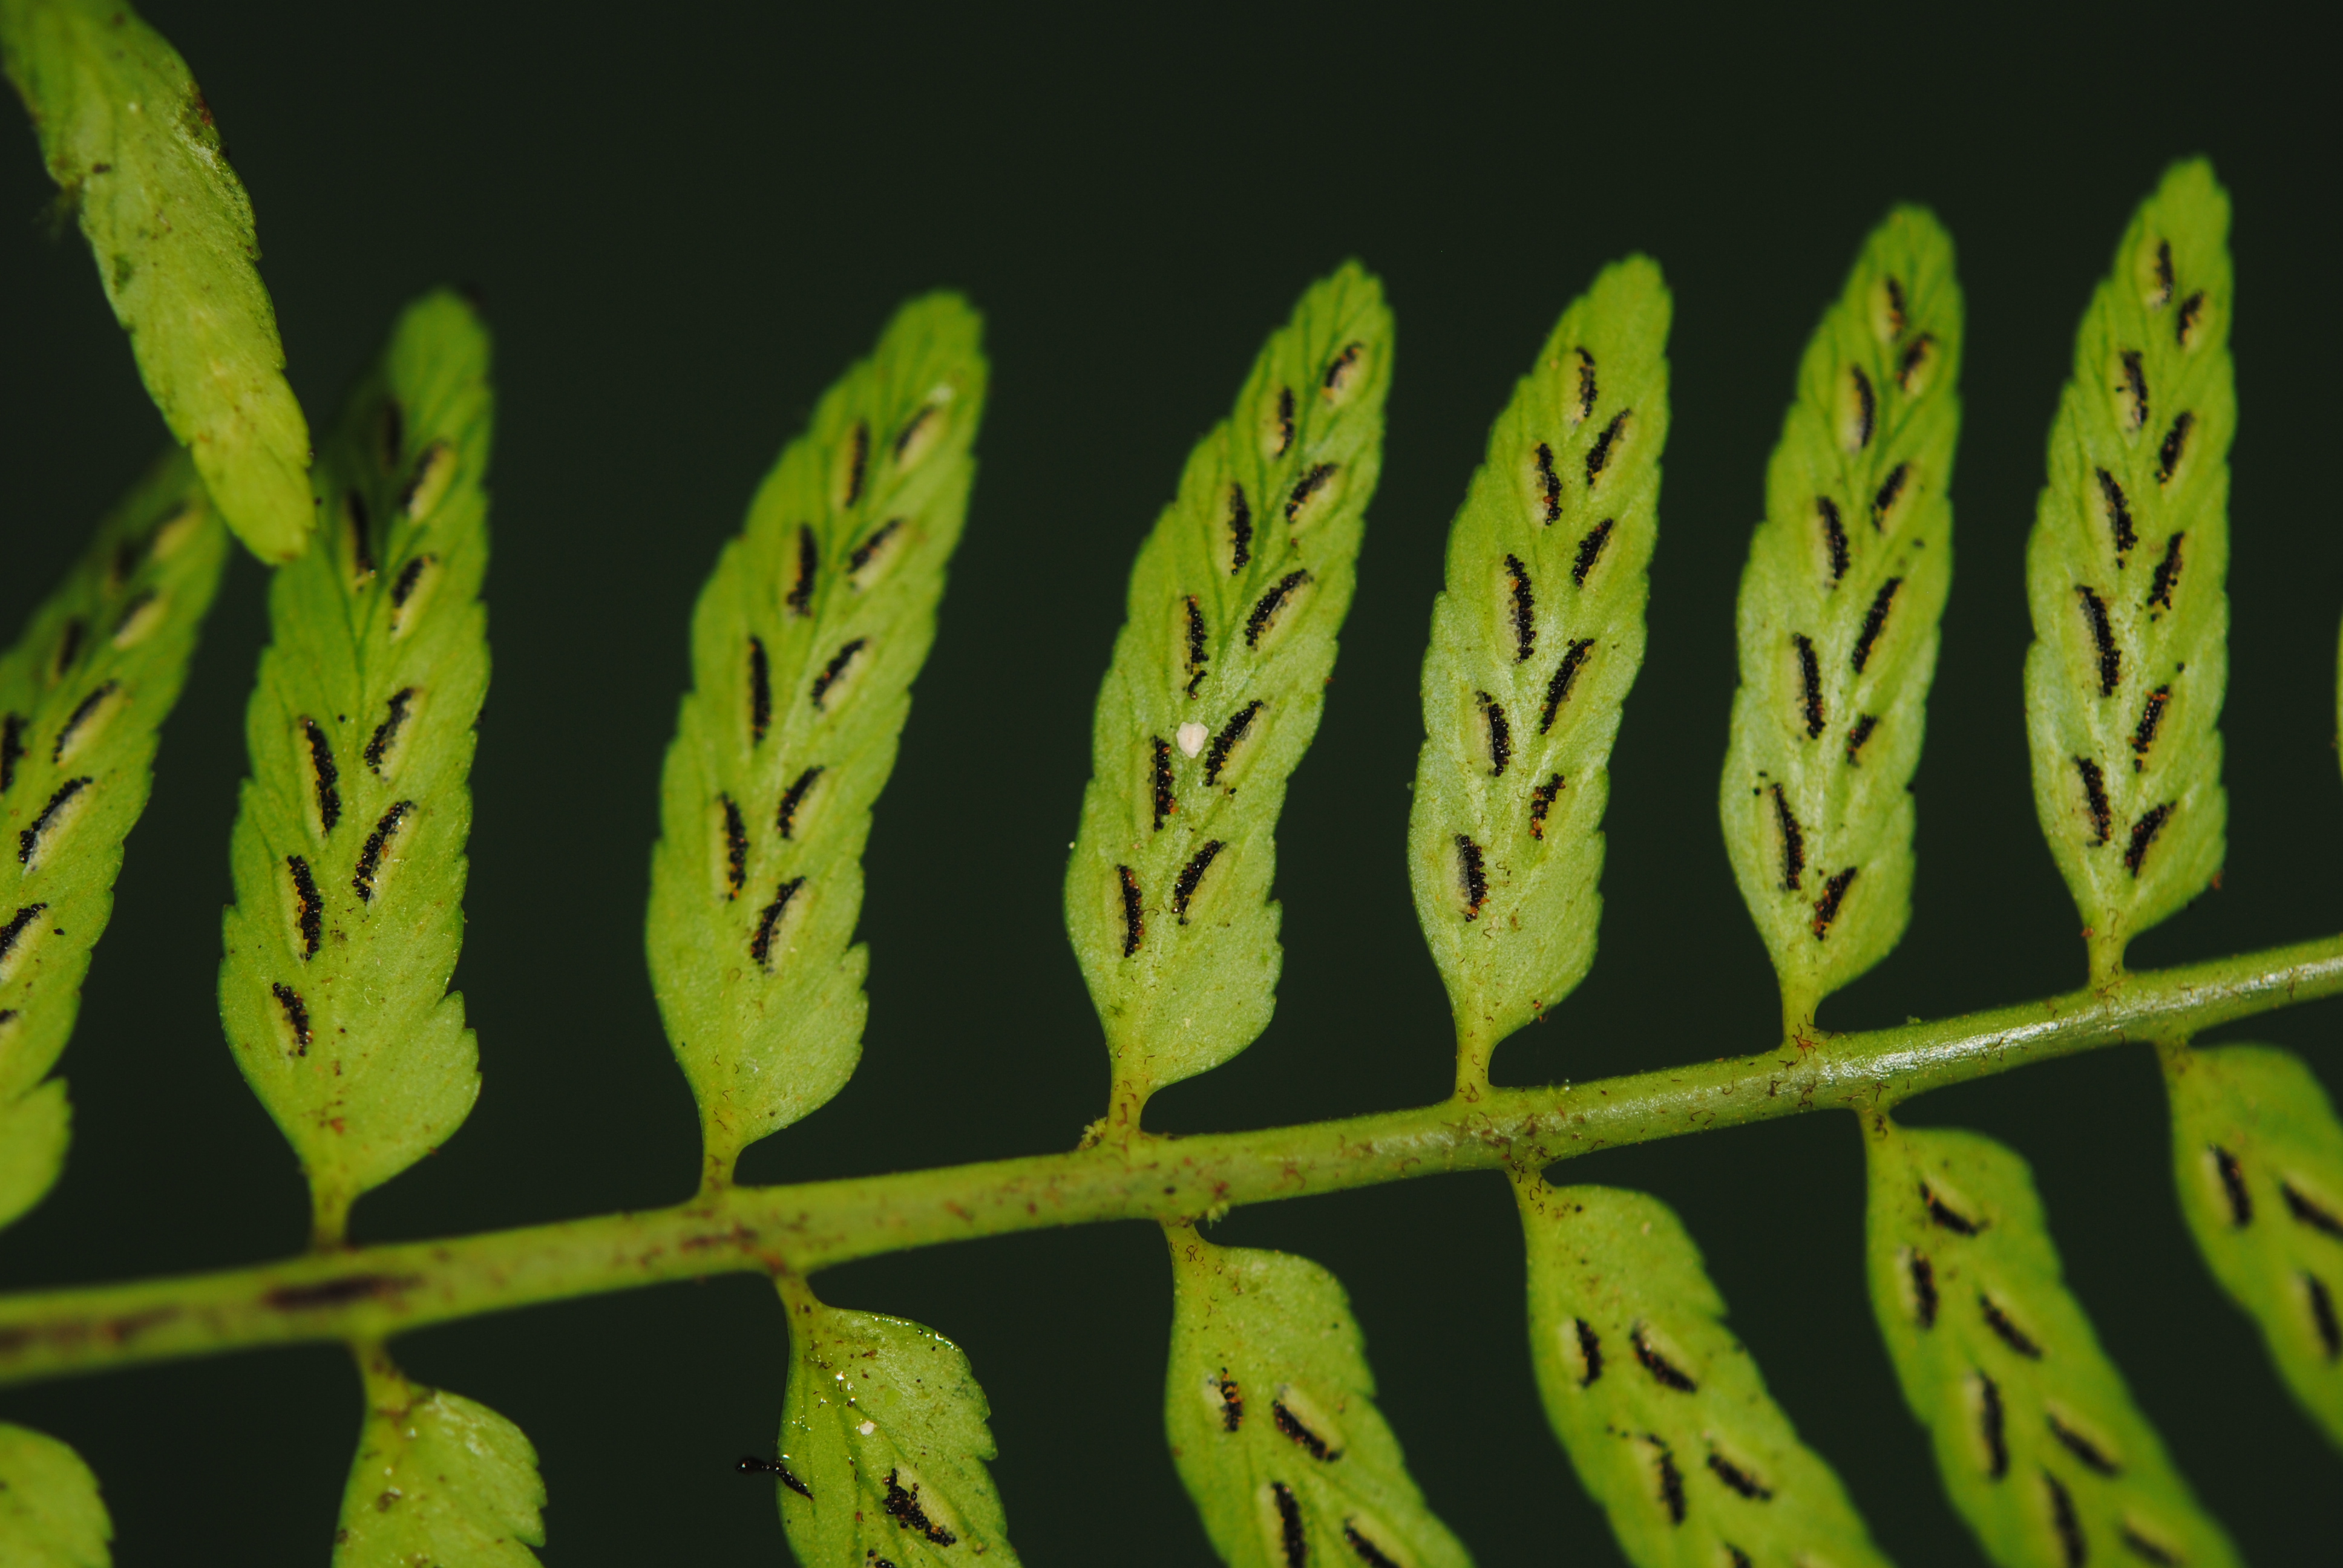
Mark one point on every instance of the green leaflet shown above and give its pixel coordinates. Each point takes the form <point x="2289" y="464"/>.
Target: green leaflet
<point x="1534" y="646"/>
<point x="883" y="1445"/>
<point x="1269" y="1409"/>
<point x="50" y="1515"/>
<point x="2258" y="1155"/>
<point x="2125" y="574"/>
<point x="82" y="697"/>
<point x="130" y="143"/>
<point x="1216" y="686"/>
<point x="1837" y="622"/>
<point x="437" y="1480"/>
<point x="348" y="851"/>
<point x="1663" y="1412"/>
<point x="2037" y="1437"/>
<point x="804" y="646"/>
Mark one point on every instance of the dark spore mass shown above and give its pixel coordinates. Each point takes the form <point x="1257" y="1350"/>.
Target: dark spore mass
<point x="1284" y="421"/>
<point x="1293" y="1540"/>
<point x="2073" y="1549"/>
<point x="2103" y="636"/>
<point x="18" y="923"/>
<point x="1834" y="535"/>
<point x="1338" y="370"/>
<point x="1550" y="482"/>
<point x="1866" y="407"/>
<point x="2167" y="572"/>
<point x="1874" y="621"/>
<point x="1309" y="484"/>
<point x="1810" y="685"/>
<point x="1598" y="456"/>
<point x="1590" y="1351"/>
<point x="2148" y="1551"/>
<point x="2307" y="1211"/>
<point x="761" y="691"/>
<point x="1738" y="1479"/>
<point x="1945" y="1216"/>
<point x="1857" y="734"/>
<point x="1924" y="1289"/>
<point x="325" y="777"/>
<point x="1833" y="895"/>
<point x="1192" y="876"/>
<point x="1265" y="614"/>
<point x="12" y="748"/>
<point x="1501" y="734"/>
<point x="2233" y="1187"/>
<point x="29" y="839"/>
<point x="761" y="941"/>
<point x="1295" y="1428"/>
<point x="1991" y="1424"/>
<point x="800" y="595"/>
<point x="1524" y="609"/>
<point x="1199" y="655"/>
<point x="1672" y="1490"/>
<point x="751" y="1465"/>
<point x="837" y="667"/>
<point x="70" y="646"/>
<point x="1794" y="841"/>
<point x="1589" y="551"/>
<point x="858" y="461"/>
<point x="2151" y="717"/>
<point x="370" y="856"/>
<point x="912" y="429"/>
<point x="1240" y="531"/>
<point x="296" y="1014"/>
<point x="1915" y="359"/>
<point x="2164" y="280"/>
<point x="1565" y="674"/>
<point x="2094" y="800"/>
<point x="1665" y="1372"/>
<point x="1891" y="490"/>
<point x="1897" y="314"/>
<point x="2008" y="1332"/>
<point x="1231" y="1402"/>
<point x="867" y="550"/>
<point x="902" y="1505"/>
<point x="1367" y="1551"/>
<point x="793" y="797"/>
<point x="2118" y="506"/>
<point x="2093" y="1457"/>
<point x="79" y="716"/>
<point x="310" y="911"/>
<point x="2143" y="834"/>
<point x="2136" y="385"/>
<point x="2322" y="1316"/>
<point x="1134" y="918"/>
<point x="386" y="734"/>
<point x="1166" y="802"/>
<point x="409" y="577"/>
<point x="1542" y="803"/>
<point x="1472" y="877"/>
<point x="354" y="507"/>
<point x="2176" y="447"/>
<point x="1216" y="755"/>
<point x="2184" y="326"/>
<point x="1585" y="384"/>
<point x="736" y="847"/>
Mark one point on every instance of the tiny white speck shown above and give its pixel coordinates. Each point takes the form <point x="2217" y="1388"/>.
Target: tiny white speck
<point x="867" y="1428"/>
<point x="1192" y="737"/>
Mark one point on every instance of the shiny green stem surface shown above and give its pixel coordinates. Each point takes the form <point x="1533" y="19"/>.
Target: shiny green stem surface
<point x="370" y="1292"/>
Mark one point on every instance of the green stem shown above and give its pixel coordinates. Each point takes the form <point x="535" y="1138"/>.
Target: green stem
<point x="375" y="1291"/>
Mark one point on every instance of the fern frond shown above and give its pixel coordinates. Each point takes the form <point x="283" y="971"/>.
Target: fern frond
<point x="1270" y="1408"/>
<point x="439" y="1479"/>
<point x="1215" y="691"/>
<point x="2036" y="1438"/>
<point x="130" y="142"/>
<point x="2258" y="1155"/>
<point x="349" y="848"/>
<point x="1663" y="1415"/>
<point x="883" y="1445"/>
<point x="2125" y="575"/>
<point x="1838" y="620"/>
<point x="1535" y="645"/>
<point x="804" y="646"/>
<point x="83" y="696"/>
<point x="50" y="1513"/>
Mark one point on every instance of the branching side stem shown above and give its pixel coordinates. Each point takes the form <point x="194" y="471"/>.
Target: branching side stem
<point x="372" y="1293"/>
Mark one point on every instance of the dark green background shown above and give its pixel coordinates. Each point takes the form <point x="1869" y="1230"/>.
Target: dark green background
<point x="683" y="228"/>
